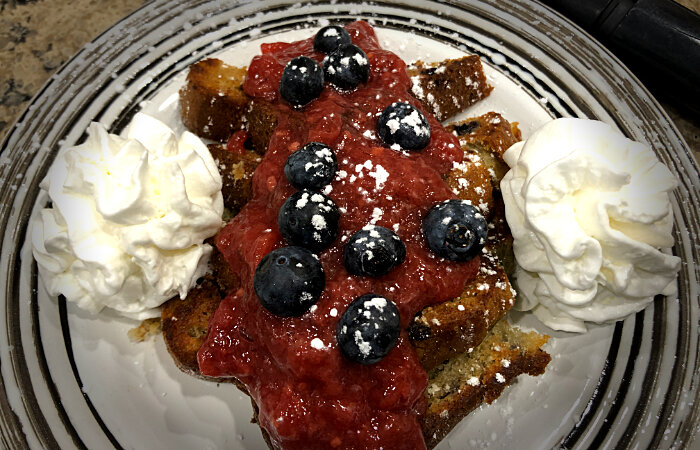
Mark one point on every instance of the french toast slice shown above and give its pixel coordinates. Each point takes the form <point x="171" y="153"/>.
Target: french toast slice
<point x="440" y="333"/>
<point x="484" y="139"/>
<point x="448" y="87"/>
<point x="184" y="322"/>
<point x="236" y="171"/>
<point x="212" y="101"/>
<point x="460" y="385"/>
<point x="261" y="121"/>
<point x="443" y="331"/>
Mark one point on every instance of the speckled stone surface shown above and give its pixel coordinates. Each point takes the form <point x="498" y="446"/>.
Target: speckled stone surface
<point x="37" y="36"/>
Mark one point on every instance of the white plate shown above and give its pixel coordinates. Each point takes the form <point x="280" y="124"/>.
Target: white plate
<point x="74" y="381"/>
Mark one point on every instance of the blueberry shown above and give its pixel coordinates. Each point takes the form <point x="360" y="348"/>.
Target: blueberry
<point x="329" y="38"/>
<point x="309" y="219"/>
<point x="346" y="67"/>
<point x="311" y="167"/>
<point x="368" y="329"/>
<point x="288" y="281"/>
<point x="402" y="124"/>
<point x="373" y="251"/>
<point x="455" y="230"/>
<point x="302" y="81"/>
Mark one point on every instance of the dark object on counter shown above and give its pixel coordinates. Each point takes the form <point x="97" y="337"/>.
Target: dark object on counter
<point x="658" y="39"/>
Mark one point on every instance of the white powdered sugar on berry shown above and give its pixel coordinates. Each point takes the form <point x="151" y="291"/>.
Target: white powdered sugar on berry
<point x="416" y="121"/>
<point x="394" y="125"/>
<point x="302" y="201"/>
<point x="377" y="302"/>
<point x="361" y="60"/>
<point x="318" y="222"/>
<point x="330" y="32"/>
<point x="362" y="345"/>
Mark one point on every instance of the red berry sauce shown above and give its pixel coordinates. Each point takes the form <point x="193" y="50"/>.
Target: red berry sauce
<point x="308" y="394"/>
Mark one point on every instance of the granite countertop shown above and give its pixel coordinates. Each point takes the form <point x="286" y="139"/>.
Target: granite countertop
<point x="34" y="43"/>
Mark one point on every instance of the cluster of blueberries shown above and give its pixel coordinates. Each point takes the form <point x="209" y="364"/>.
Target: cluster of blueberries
<point x="290" y="280"/>
<point x="345" y="66"/>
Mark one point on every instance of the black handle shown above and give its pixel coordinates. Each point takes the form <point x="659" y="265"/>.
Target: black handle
<point x="658" y="39"/>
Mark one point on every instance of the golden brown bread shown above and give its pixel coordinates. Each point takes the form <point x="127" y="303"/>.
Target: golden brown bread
<point x="212" y="100"/>
<point x="221" y="274"/>
<point x="460" y="385"/>
<point x="184" y="323"/>
<point x="448" y="87"/>
<point x="443" y="331"/>
<point x="236" y="171"/>
<point x="261" y="121"/>
<point x="470" y="180"/>
<point x="485" y="139"/>
<point x="145" y="330"/>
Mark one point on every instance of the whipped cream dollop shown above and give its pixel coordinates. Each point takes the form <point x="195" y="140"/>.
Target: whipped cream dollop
<point x="128" y="218"/>
<point x="589" y="210"/>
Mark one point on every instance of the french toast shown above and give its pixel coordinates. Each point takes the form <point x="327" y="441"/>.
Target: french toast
<point x="464" y="382"/>
<point x="236" y="169"/>
<point x="212" y="100"/>
<point x="448" y="87"/>
<point x="448" y="338"/>
<point x="485" y="139"/>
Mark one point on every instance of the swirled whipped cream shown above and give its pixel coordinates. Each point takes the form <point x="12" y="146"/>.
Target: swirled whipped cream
<point x="128" y="218"/>
<point x="589" y="210"/>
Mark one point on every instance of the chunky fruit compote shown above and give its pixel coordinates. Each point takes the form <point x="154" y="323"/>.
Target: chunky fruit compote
<point x="309" y="394"/>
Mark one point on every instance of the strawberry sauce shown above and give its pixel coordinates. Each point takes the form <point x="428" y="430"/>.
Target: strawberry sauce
<point x="310" y="396"/>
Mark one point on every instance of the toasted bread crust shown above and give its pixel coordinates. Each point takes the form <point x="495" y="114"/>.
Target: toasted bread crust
<point x="185" y="322"/>
<point x="261" y="122"/>
<point x="443" y="331"/>
<point x="212" y="100"/>
<point x="221" y="275"/>
<point x="470" y="180"/>
<point x="500" y="240"/>
<point x="485" y="139"/>
<point x="480" y="376"/>
<point x="236" y="171"/>
<point x="448" y="87"/>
